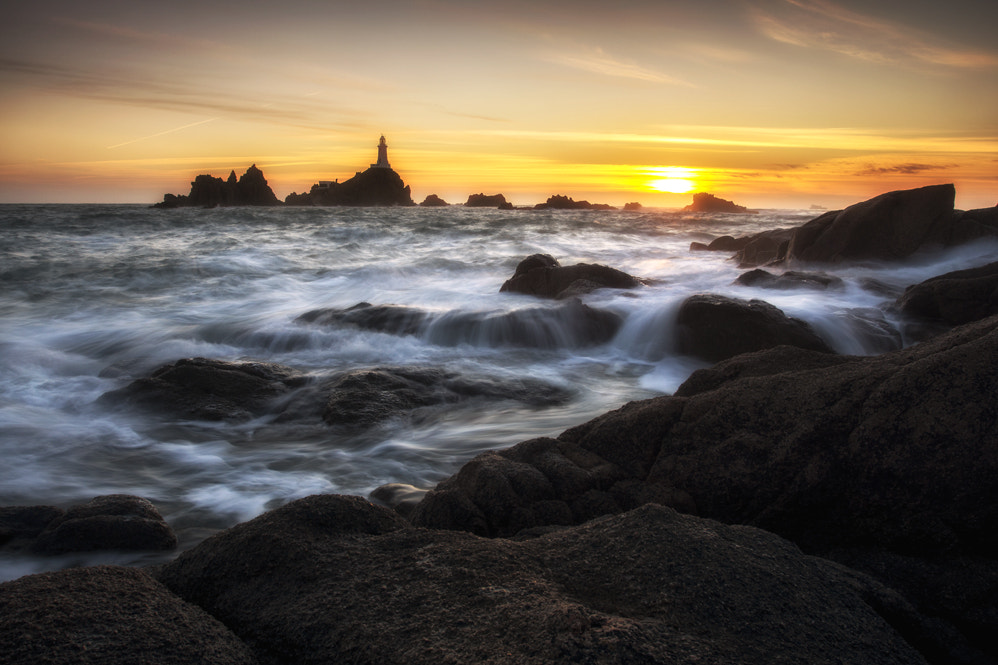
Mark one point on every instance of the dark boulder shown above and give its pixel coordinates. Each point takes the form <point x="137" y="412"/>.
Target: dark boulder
<point x="763" y="248"/>
<point x="790" y="279"/>
<point x="891" y="226"/>
<point x="541" y="275"/>
<point x="433" y="201"/>
<point x="111" y="522"/>
<point x="704" y="202"/>
<point x="109" y="615"/>
<point x="333" y="579"/>
<point x="721" y="244"/>
<point x="207" y="389"/>
<point x="488" y="201"/>
<point x="632" y="206"/>
<point x="369" y="396"/>
<point x="21" y="524"/>
<point x="714" y="327"/>
<point x="949" y="300"/>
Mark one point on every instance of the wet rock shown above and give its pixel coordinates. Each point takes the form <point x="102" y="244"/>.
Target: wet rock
<point x="541" y="275"/>
<point x="369" y="396"/>
<point x="109" y="615"/>
<point x="400" y="497"/>
<point x="721" y="244"/>
<point x="873" y="331"/>
<point x="334" y="579"/>
<point x="392" y="319"/>
<point x="207" y="389"/>
<point x="790" y="279"/>
<point x="20" y="524"/>
<point x="714" y="327"/>
<point x="949" y="300"/>
<point x="111" y="522"/>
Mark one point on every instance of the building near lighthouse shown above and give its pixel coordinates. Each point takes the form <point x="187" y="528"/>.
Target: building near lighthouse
<point x="382" y="155"/>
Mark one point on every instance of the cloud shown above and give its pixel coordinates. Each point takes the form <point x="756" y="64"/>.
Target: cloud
<point x="598" y="62"/>
<point x="900" y="169"/>
<point x="826" y="25"/>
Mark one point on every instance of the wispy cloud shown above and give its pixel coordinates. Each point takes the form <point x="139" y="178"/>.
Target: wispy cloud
<point x="599" y="62"/>
<point x="900" y="169"/>
<point x="826" y="25"/>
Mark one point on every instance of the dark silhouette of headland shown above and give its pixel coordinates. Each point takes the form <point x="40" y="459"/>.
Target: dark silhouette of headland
<point x="704" y="202"/>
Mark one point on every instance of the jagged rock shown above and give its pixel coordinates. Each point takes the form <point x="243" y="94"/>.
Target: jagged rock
<point x="111" y="522"/>
<point x="334" y="579"/>
<point x="432" y="201"/>
<point x="488" y="201"/>
<point x="251" y="189"/>
<point x="377" y="186"/>
<point x="704" y="202"/>
<point x="542" y="275"/>
<point x="207" y="389"/>
<point x="949" y="300"/>
<point x="633" y="206"/>
<point x="559" y="202"/>
<point x="109" y="615"/>
<point x="714" y="327"/>
<point x="791" y="279"/>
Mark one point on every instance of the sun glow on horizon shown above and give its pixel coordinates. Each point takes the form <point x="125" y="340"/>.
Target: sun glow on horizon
<point x="673" y="180"/>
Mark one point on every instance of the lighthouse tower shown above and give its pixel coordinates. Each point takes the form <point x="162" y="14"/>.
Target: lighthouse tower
<point x="382" y="156"/>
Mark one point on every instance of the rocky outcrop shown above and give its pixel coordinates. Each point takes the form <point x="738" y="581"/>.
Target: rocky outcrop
<point x="392" y="319"/>
<point x="559" y="202"/>
<point x="633" y="206"/>
<point x="488" y="201"/>
<point x="878" y="459"/>
<point x="333" y="579"/>
<point x="109" y="615"/>
<point x="541" y="275"/>
<point x="111" y="522"/>
<point x="377" y="186"/>
<point x="714" y="327"/>
<point x="251" y="189"/>
<point x="949" y="300"/>
<point x="790" y="280"/>
<point x="433" y="201"/>
<point x="721" y="244"/>
<point x="704" y="202"/>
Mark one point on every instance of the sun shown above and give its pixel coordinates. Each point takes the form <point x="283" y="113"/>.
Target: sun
<point x="672" y="179"/>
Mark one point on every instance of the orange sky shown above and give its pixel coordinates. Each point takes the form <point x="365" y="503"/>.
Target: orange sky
<point x="771" y="103"/>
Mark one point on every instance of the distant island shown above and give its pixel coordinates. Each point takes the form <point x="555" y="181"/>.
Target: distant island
<point x="704" y="202"/>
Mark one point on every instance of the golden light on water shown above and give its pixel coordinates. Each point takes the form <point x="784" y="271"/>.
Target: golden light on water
<point x="672" y="179"/>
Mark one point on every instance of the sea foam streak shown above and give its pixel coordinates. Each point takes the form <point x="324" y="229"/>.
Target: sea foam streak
<point x="95" y="296"/>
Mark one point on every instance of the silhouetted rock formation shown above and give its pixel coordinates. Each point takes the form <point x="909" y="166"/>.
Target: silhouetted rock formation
<point x="704" y="202"/>
<point x="634" y="206"/>
<point x="488" y="201"/>
<point x="714" y="328"/>
<point x="889" y="227"/>
<point x="559" y="202"/>
<point x="208" y="192"/>
<point x="377" y="186"/>
<point x="542" y="275"/>
<point x="432" y="201"/>
<point x="111" y="522"/>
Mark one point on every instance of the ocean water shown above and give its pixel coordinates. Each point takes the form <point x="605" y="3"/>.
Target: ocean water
<point x="94" y="296"/>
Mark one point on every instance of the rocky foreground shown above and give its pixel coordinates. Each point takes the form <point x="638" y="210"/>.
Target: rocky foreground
<point x="785" y="505"/>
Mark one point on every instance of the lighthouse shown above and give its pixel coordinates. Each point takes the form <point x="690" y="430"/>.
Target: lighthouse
<point x="382" y="155"/>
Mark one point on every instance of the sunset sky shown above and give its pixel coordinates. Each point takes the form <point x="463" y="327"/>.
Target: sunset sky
<point x="771" y="103"/>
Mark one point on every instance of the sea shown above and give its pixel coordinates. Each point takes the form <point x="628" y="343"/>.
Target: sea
<point x="93" y="297"/>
